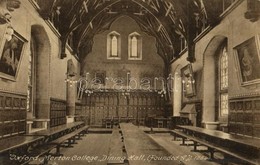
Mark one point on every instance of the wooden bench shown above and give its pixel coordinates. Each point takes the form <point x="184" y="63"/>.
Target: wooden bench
<point x="58" y="131"/>
<point x="71" y="137"/>
<point x="116" y="149"/>
<point x="57" y="143"/>
<point x="212" y="148"/>
<point x="238" y="143"/>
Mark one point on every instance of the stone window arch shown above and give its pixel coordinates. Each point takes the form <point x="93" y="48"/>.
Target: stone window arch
<point x="113" y="45"/>
<point x="135" y="46"/>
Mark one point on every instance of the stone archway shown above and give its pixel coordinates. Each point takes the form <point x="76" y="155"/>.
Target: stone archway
<point x="209" y="81"/>
<point x="42" y="54"/>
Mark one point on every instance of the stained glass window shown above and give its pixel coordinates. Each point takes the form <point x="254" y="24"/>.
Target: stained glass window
<point x="224" y="82"/>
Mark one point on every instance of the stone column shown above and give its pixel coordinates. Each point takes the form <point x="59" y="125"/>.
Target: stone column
<point x="71" y="99"/>
<point x="177" y="94"/>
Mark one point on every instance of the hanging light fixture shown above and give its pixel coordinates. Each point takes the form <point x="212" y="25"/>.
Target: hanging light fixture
<point x="162" y="92"/>
<point x="5" y="18"/>
<point x="70" y="81"/>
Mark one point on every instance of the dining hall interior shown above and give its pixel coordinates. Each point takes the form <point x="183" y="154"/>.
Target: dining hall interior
<point x="149" y="82"/>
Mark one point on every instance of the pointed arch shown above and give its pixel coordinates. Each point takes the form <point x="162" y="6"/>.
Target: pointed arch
<point x="113" y="45"/>
<point x="210" y="98"/>
<point x="135" y="46"/>
<point x="42" y="54"/>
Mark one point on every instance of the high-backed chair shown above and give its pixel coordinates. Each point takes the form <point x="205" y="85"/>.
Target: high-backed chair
<point x="160" y="123"/>
<point x="109" y="123"/>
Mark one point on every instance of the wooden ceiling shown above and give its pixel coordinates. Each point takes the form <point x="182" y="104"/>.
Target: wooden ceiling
<point x="166" y="20"/>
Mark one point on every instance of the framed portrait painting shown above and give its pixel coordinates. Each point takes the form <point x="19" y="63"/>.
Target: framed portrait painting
<point x="10" y="56"/>
<point x="100" y="77"/>
<point x="188" y="81"/>
<point x="248" y="60"/>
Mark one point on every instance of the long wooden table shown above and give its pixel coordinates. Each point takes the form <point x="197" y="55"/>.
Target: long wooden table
<point x="237" y="143"/>
<point x="22" y="145"/>
<point x="12" y="148"/>
<point x="252" y="142"/>
<point x="15" y="142"/>
<point x="116" y="148"/>
<point x="57" y="131"/>
<point x="141" y="149"/>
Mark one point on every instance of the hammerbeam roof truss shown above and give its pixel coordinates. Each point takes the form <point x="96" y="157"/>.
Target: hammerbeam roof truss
<point x="166" y="20"/>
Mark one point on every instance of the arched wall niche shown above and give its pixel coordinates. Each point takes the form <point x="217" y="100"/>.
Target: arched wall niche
<point x="210" y="72"/>
<point x="42" y="54"/>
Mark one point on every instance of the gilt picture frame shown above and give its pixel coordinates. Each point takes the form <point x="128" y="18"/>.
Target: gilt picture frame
<point x="188" y="81"/>
<point x="11" y="56"/>
<point x="248" y="61"/>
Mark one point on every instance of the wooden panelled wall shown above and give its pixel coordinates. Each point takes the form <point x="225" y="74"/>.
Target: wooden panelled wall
<point x="58" y="112"/>
<point x="100" y="105"/>
<point x="244" y="116"/>
<point x="12" y="114"/>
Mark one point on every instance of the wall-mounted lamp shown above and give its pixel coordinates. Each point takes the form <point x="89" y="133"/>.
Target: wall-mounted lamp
<point x="162" y="92"/>
<point x="88" y="92"/>
<point x="84" y="84"/>
<point x="70" y="81"/>
<point x="9" y="33"/>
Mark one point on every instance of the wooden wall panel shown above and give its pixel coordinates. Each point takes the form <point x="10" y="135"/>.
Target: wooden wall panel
<point x="256" y="118"/>
<point x="12" y="114"/>
<point x="256" y="131"/>
<point x="244" y="116"/>
<point x="58" y="112"/>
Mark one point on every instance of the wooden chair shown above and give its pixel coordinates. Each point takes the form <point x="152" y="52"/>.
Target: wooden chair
<point x="160" y="123"/>
<point x="141" y="121"/>
<point x="109" y="123"/>
<point x="116" y="121"/>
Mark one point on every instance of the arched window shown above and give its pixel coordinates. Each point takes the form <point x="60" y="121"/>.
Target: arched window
<point x="134" y="46"/>
<point x="223" y="77"/>
<point x="113" y="45"/>
<point x="31" y="90"/>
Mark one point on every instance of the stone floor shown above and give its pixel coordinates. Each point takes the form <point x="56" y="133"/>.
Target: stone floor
<point x="183" y="153"/>
<point x="96" y="146"/>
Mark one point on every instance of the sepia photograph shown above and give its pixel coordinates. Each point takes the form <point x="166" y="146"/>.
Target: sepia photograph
<point x="129" y="82"/>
